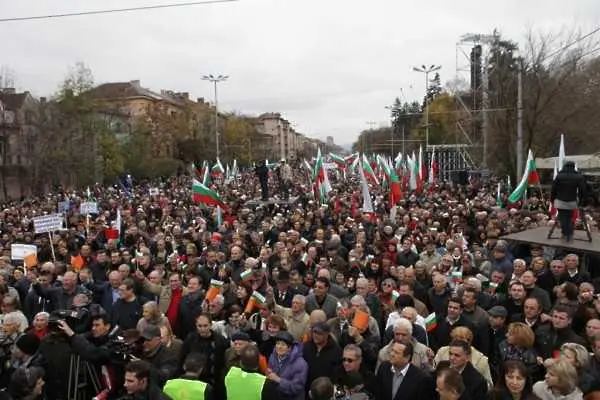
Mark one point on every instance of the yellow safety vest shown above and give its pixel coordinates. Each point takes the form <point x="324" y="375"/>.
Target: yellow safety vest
<point x="242" y="385"/>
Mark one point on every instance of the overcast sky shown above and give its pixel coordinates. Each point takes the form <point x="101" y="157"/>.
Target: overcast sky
<point x="328" y="66"/>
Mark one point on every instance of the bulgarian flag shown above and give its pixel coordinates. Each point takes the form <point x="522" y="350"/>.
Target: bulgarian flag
<point x="395" y="295"/>
<point x="256" y="299"/>
<point x="499" y="202"/>
<point x="338" y="160"/>
<point x="217" y="169"/>
<point x="206" y="174"/>
<point x="456" y="276"/>
<point x="246" y="275"/>
<point x="553" y="211"/>
<point x="367" y="206"/>
<point x="368" y="171"/>
<point x="395" y="194"/>
<point x="420" y="170"/>
<point x="431" y="322"/>
<point x="204" y="195"/>
<point x="351" y="158"/>
<point x="320" y="178"/>
<point x="433" y="168"/>
<point x="307" y="166"/>
<point x="530" y="177"/>
<point x="197" y="171"/>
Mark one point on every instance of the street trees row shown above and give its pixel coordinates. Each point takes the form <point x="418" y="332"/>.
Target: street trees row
<point x="561" y="95"/>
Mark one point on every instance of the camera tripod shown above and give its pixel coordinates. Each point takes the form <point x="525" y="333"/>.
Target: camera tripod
<point x="584" y="222"/>
<point x="83" y="379"/>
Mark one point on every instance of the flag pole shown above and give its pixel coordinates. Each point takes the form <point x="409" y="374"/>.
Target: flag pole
<point x="52" y="246"/>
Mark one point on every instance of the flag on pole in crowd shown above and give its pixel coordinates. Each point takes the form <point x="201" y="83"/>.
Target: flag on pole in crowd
<point x="204" y="195"/>
<point x="217" y="169"/>
<point x="395" y="192"/>
<point x="561" y="153"/>
<point x="219" y="216"/>
<point x="398" y="161"/>
<point x="338" y="160"/>
<point x="206" y="175"/>
<point x="530" y="177"/>
<point x="412" y="171"/>
<point x="246" y="275"/>
<point x="196" y="171"/>
<point x="320" y="179"/>
<point x="227" y="173"/>
<point x="367" y="171"/>
<point x="431" y="322"/>
<point x="350" y="160"/>
<point x="234" y="170"/>
<point x="88" y="194"/>
<point x="499" y="201"/>
<point x="367" y="206"/>
<point x="420" y="170"/>
<point x="433" y="168"/>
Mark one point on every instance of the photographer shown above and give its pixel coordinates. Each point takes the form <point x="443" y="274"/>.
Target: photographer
<point x="164" y="362"/>
<point x="94" y="345"/>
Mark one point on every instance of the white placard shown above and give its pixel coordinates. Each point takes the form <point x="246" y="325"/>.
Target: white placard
<point x="153" y="191"/>
<point x="19" y="251"/>
<point x="88" y="207"/>
<point x="48" y="223"/>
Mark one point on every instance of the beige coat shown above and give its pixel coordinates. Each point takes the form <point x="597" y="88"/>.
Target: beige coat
<point x="297" y="325"/>
<point x="478" y="359"/>
<point x="164" y="294"/>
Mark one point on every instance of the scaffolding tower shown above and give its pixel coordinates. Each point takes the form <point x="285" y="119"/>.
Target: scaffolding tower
<point x="451" y="159"/>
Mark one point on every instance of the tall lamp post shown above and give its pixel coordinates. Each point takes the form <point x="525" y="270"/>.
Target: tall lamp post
<point x="216" y="79"/>
<point x="427" y="70"/>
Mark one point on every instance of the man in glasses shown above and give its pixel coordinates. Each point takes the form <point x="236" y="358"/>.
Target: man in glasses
<point x="352" y="363"/>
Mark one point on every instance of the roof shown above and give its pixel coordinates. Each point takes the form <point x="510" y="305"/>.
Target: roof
<point x="127" y="90"/>
<point x="586" y="161"/>
<point x="13" y="101"/>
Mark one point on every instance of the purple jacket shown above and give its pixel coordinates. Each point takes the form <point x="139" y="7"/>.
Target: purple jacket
<point x="293" y="372"/>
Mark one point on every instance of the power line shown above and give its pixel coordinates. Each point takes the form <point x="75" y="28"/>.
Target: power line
<point x="116" y="10"/>
<point x="572" y="43"/>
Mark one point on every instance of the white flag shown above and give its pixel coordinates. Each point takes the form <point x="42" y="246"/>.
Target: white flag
<point x="367" y="206"/>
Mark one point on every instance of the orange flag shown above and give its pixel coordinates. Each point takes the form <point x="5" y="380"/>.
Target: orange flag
<point x="77" y="262"/>
<point x="30" y="260"/>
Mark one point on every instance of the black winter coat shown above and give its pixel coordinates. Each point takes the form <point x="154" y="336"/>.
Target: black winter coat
<point x="569" y="185"/>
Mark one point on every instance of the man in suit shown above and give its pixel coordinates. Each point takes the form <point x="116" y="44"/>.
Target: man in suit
<point x="399" y="378"/>
<point x="475" y="384"/>
<point x="440" y="336"/>
<point x="283" y="293"/>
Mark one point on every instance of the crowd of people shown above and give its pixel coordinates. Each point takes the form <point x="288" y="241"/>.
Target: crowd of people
<point x="291" y="298"/>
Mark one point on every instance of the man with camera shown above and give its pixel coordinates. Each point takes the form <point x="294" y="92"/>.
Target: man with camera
<point x="164" y="362"/>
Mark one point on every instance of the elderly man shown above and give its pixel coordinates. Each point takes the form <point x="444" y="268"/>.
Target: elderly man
<point x="296" y="318"/>
<point x="423" y="355"/>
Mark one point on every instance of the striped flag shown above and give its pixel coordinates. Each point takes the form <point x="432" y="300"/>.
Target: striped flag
<point x="431" y="322"/>
<point x="530" y="177"/>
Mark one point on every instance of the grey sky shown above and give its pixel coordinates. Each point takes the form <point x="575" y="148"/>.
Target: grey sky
<point x="328" y="66"/>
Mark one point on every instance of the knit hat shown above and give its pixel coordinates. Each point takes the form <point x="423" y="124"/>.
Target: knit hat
<point x="239" y="335"/>
<point x="28" y="344"/>
<point x="286" y="337"/>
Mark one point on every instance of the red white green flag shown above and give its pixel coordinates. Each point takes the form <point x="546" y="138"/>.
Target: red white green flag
<point x="395" y="192"/>
<point x="530" y="177"/>
<point x="217" y="169"/>
<point x="431" y="322"/>
<point x="321" y="181"/>
<point x="368" y="171"/>
<point x="338" y="160"/>
<point x="202" y="194"/>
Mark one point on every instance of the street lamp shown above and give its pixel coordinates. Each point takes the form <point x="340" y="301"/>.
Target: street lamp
<point x="216" y="79"/>
<point x="427" y="70"/>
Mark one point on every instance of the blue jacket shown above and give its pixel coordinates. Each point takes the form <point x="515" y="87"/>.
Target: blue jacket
<point x="293" y="372"/>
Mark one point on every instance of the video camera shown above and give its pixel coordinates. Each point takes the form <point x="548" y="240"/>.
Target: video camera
<point x="123" y="348"/>
<point x="73" y="318"/>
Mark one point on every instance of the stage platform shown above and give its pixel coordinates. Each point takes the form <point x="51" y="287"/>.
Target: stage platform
<point x="540" y="236"/>
<point x="258" y="202"/>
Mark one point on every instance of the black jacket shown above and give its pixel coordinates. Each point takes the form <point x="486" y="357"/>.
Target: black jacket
<point x="569" y="185"/>
<point x="189" y="308"/>
<point x="324" y="362"/>
<point x="415" y="385"/>
<point x="213" y="348"/>
<point x="165" y="364"/>
<point x="475" y="384"/>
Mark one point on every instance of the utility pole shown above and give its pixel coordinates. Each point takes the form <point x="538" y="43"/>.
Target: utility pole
<point x="485" y="102"/>
<point x="427" y="71"/>
<point x="216" y="79"/>
<point x="519" y="117"/>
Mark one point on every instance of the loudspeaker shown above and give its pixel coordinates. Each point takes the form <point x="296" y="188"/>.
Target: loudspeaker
<point x="463" y="177"/>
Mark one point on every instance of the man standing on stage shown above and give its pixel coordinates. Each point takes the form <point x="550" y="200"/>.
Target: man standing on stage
<point x="285" y="179"/>
<point x="262" y="171"/>
<point x="569" y="192"/>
